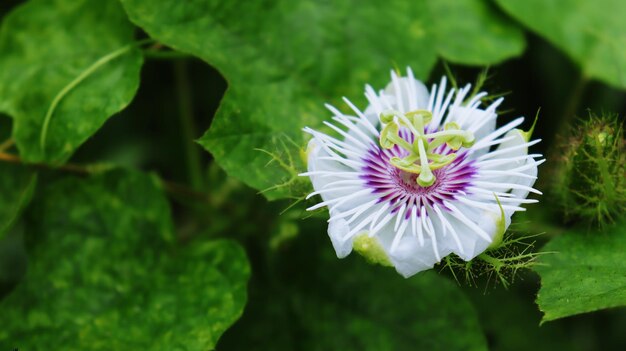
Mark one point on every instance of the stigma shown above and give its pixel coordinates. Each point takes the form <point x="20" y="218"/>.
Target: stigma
<point x="422" y="158"/>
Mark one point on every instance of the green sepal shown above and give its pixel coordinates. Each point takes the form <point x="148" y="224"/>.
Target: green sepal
<point x="527" y="135"/>
<point x="500" y="227"/>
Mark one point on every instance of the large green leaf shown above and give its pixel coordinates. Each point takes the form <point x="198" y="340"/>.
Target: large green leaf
<point x="65" y="67"/>
<point x="284" y="59"/>
<point x="592" y="33"/>
<point x="105" y="274"/>
<point x="16" y="186"/>
<point x="323" y="303"/>
<point x="586" y="273"/>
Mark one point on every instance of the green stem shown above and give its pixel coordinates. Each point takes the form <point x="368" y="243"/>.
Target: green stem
<point x="496" y="263"/>
<point x="7" y="144"/>
<point x="573" y="102"/>
<point x="79" y="79"/>
<point x="185" y="105"/>
<point x="170" y="187"/>
<point x="564" y="124"/>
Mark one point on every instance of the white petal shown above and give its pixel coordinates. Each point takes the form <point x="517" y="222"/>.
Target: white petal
<point x="413" y="94"/>
<point x="410" y="257"/>
<point x="316" y="162"/>
<point x="532" y="171"/>
<point x="518" y="140"/>
<point x="337" y="230"/>
<point x="372" y="115"/>
<point x="518" y="164"/>
<point x="494" y="223"/>
<point x="365" y="122"/>
<point x="470" y="240"/>
<point x="347" y="224"/>
<point x="489" y="221"/>
<point x="480" y="122"/>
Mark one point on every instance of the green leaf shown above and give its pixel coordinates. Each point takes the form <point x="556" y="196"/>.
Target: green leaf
<point x="590" y="32"/>
<point x="473" y="32"/>
<point x="16" y="186"/>
<point x="587" y="273"/>
<point x="284" y="59"/>
<point x="66" y="66"/>
<point x="325" y="303"/>
<point x="105" y="274"/>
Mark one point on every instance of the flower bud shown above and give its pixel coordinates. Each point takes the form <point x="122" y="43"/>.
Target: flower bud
<point x="590" y="182"/>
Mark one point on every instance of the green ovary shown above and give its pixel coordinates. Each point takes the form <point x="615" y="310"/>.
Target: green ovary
<point x="370" y="248"/>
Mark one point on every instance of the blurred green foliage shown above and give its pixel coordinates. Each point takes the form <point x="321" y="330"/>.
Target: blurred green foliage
<point x="134" y="235"/>
<point x="590" y="32"/>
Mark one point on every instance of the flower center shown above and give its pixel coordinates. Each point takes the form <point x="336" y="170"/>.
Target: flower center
<point x="422" y="159"/>
<point x="397" y="187"/>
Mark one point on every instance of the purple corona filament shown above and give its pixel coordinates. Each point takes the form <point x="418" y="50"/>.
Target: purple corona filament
<point x="398" y="187"/>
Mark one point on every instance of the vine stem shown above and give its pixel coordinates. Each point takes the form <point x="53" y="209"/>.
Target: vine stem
<point x="7" y="144"/>
<point x="565" y="122"/>
<point x="573" y="102"/>
<point x="496" y="263"/>
<point x="188" y="127"/>
<point x="6" y="157"/>
<point x="169" y="186"/>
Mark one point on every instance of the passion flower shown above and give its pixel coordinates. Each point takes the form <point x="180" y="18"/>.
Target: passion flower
<point x="417" y="176"/>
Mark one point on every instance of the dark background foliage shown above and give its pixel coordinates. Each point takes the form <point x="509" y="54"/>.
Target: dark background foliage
<point x="299" y="296"/>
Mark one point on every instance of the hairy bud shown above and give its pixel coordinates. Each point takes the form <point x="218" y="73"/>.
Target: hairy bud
<point x="590" y="182"/>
